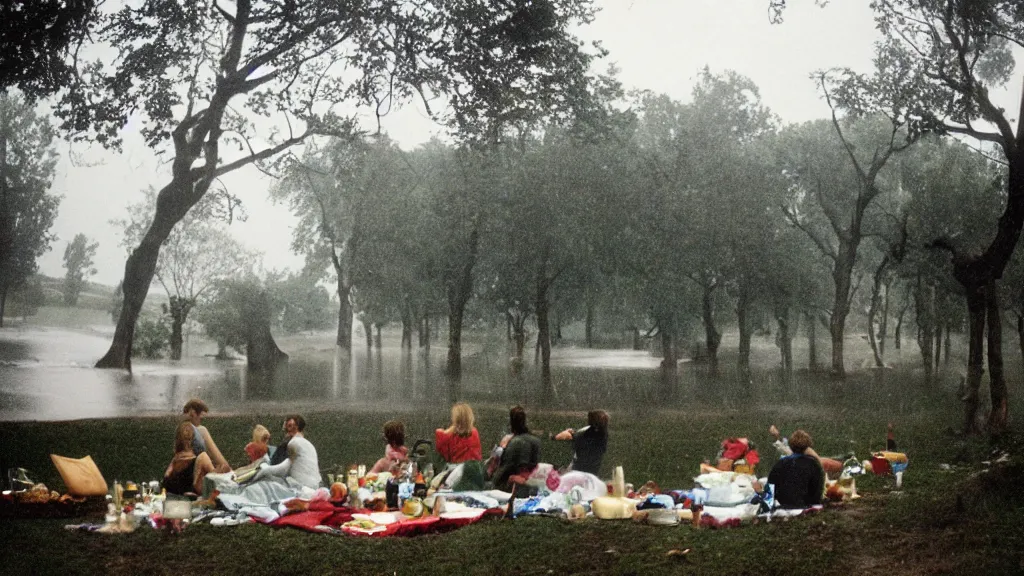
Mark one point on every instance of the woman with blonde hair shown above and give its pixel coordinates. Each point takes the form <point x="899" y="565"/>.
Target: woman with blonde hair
<point x="186" y="471"/>
<point x="460" y="442"/>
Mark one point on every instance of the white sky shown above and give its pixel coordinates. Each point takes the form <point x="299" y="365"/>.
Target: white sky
<point x="658" y="45"/>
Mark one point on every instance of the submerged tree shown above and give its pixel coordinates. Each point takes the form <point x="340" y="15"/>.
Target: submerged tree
<point x="27" y="211"/>
<point x="197" y="75"/>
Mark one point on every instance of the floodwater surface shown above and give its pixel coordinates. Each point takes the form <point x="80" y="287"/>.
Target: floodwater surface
<point x="48" y="374"/>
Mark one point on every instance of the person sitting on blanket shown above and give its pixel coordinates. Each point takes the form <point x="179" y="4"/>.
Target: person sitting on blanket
<point x="460" y="442"/>
<point x="201" y="439"/>
<point x="588" y="443"/>
<point x="260" y="443"/>
<point x="798" y="478"/>
<point x="186" y="471"/>
<point x="300" y="464"/>
<point x="395" y="451"/>
<point x="280" y="452"/>
<point x="831" y="466"/>
<point x="520" y="454"/>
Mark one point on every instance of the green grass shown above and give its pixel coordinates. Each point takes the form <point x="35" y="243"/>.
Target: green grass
<point x="941" y="522"/>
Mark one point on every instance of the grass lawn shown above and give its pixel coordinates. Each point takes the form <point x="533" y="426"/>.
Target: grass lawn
<point x="956" y="521"/>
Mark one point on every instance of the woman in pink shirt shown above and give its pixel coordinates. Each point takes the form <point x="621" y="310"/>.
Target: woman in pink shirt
<point x="460" y="442"/>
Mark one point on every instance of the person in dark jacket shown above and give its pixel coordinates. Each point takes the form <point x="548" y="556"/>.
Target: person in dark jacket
<point x="520" y="455"/>
<point x="588" y="443"/>
<point x="798" y="478"/>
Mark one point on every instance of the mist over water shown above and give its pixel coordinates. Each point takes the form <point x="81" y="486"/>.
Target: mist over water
<point x="47" y="374"/>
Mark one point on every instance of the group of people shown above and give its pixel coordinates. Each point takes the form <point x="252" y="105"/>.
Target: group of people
<point x="196" y="455"/>
<point x="798" y="476"/>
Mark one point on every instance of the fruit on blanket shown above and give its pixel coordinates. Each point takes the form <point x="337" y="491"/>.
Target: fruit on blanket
<point x="338" y="491"/>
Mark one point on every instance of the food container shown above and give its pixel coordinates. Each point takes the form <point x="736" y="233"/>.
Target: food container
<point x="663" y="517"/>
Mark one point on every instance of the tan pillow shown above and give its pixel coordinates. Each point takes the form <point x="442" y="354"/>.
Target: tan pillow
<point x="80" y="475"/>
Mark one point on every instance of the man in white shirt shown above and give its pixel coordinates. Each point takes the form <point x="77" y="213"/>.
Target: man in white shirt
<point x="302" y="464"/>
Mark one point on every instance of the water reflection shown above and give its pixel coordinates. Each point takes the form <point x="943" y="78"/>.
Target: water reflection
<point x="46" y="374"/>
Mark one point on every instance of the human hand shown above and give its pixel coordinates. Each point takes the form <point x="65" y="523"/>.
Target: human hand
<point x="773" y="431"/>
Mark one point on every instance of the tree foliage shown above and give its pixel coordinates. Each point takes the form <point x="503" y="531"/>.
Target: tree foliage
<point x="27" y="210"/>
<point x="78" y="257"/>
<point x="38" y="36"/>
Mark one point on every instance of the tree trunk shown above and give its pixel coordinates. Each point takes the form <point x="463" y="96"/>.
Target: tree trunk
<point x="812" y="343"/>
<point x="712" y="337"/>
<point x="897" y="334"/>
<point x="883" y="326"/>
<point x="876" y="303"/>
<point x="173" y="202"/>
<point x="459" y="290"/>
<point x="636" y="339"/>
<point x="3" y="303"/>
<point x="784" y="339"/>
<point x="924" y="297"/>
<point x="842" y="278"/>
<point x="377" y="339"/>
<point x="589" y="325"/>
<point x="669" y="360"/>
<point x="1020" y="334"/>
<point x="517" y="330"/>
<point x="344" y="337"/>
<point x="407" y="326"/>
<point x="976" y="310"/>
<point x="453" y="367"/>
<point x="425" y="337"/>
<point x="743" y="360"/>
<point x="997" y="418"/>
<point x="544" y="339"/>
<point x="178" y="310"/>
<point x="368" y="329"/>
<point x="261" y="350"/>
<point x="945" y="356"/>
<point x="938" y="346"/>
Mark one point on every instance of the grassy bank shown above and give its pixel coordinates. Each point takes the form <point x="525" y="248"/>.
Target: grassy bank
<point x="956" y="521"/>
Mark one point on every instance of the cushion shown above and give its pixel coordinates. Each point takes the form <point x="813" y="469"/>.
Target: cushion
<point x="80" y="475"/>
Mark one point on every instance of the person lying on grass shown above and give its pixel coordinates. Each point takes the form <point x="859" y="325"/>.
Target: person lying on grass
<point x="798" y="478"/>
<point x="186" y="471"/>
<point x="201" y="440"/>
<point x="588" y="443"/>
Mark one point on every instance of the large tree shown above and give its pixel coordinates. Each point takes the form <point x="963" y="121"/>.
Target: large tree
<point x="954" y="54"/>
<point x="197" y="254"/>
<point x="197" y="75"/>
<point x="837" y="170"/>
<point x="27" y="160"/>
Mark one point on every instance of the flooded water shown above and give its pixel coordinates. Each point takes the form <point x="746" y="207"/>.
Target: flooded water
<point x="47" y="374"/>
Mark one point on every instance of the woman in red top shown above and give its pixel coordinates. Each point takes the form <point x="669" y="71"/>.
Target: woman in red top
<point x="460" y="442"/>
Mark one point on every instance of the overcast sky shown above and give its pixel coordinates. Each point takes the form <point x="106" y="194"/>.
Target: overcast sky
<point x="659" y="45"/>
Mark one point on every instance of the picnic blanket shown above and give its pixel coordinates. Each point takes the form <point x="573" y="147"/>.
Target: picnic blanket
<point x="323" y="517"/>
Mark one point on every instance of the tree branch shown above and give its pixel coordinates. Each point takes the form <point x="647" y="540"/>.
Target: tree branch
<point x="821" y="244"/>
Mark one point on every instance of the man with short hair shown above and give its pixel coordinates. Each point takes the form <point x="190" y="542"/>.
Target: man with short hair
<point x="201" y="440"/>
<point x="300" y="463"/>
<point x="798" y="478"/>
